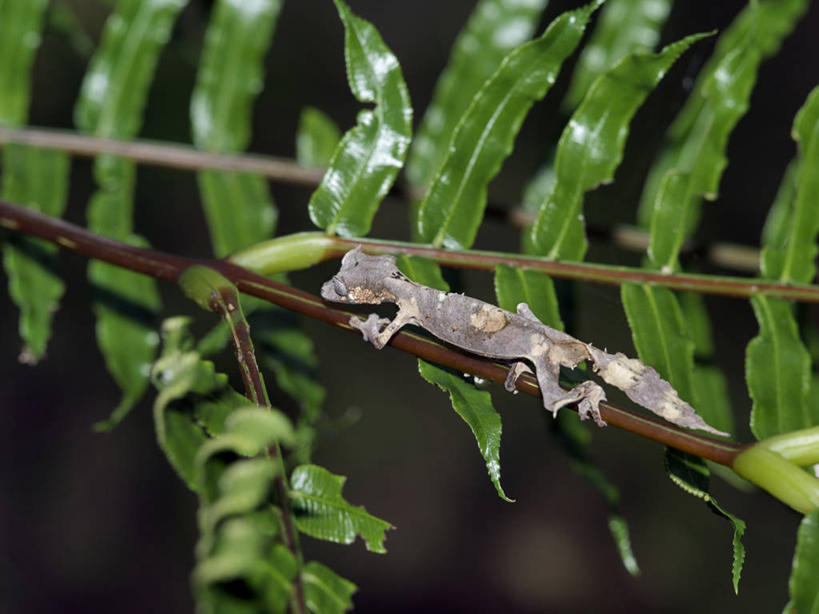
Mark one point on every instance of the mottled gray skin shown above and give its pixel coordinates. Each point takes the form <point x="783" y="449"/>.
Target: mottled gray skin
<point x="488" y="330"/>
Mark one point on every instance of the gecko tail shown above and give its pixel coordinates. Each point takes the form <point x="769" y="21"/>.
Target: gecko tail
<point x="643" y="385"/>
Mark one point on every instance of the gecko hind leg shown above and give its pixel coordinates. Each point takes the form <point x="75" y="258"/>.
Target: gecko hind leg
<point x="587" y="395"/>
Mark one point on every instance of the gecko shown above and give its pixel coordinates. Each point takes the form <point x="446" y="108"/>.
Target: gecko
<point x="520" y="339"/>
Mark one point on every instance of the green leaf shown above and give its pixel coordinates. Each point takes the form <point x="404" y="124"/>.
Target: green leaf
<point x="126" y="309"/>
<point x="660" y="335"/>
<point x="691" y="474"/>
<point x="495" y="27"/>
<point x="798" y="255"/>
<point x="453" y="207"/>
<point x="515" y="285"/>
<point x="422" y="270"/>
<point x="591" y="147"/>
<point x="116" y="84"/>
<point x="369" y="155"/>
<point x="238" y="206"/>
<point x="778" y="222"/>
<point x="710" y="384"/>
<point x="110" y="105"/>
<point x="777" y="368"/>
<point x="698" y="137"/>
<point x="316" y="139"/>
<point x="475" y="407"/>
<point x="20" y="32"/>
<point x="804" y="590"/>
<point x="321" y="512"/>
<point x="325" y="591"/>
<point x="624" y="26"/>
<point x="242" y="487"/>
<point x="243" y="550"/>
<point x="38" y="179"/>
<point x="193" y="401"/>
<point x="31" y="177"/>
<point x="248" y="431"/>
<point x="231" y="73"/>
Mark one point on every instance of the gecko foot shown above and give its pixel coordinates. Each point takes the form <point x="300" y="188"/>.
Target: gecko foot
<point x="370" y="328"/>
<point x="589" y="405"/>
<point x="587" y="396"/>
<point x="515" y="371"/>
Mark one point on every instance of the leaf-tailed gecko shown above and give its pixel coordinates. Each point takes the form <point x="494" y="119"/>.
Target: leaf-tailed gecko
<point x="488" y="330"/>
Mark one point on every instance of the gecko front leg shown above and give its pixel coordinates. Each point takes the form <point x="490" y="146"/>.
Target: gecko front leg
<point x="371" y="327"/>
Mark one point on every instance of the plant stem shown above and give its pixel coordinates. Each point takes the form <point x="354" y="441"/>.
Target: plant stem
<point x="163" y="154"/>
<point x="169" y="267"/>
<point x="306" y="248"/>
<point x="172" y="155"/>
<point x="214" y="292"/>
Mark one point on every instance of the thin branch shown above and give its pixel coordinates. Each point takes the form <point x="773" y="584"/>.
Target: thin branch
<point x="168" y="268"/>
<point x="226" y="303"/>
<point x="171" y="155"/>
<point x="598" y="273"/>
<point x="163" y="154"/>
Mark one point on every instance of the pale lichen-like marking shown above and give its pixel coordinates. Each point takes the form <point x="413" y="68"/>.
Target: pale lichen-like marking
<point x="489" y="319"/>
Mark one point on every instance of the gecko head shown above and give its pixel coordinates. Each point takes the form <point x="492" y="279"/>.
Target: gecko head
<point x="360" y="279"/>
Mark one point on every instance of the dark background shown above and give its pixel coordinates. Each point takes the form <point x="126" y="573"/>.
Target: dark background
<point x="100" y="523"/>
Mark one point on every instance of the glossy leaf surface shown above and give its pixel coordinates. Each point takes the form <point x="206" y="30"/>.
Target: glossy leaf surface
<point x="316" y="139"/>
<point x="325" y="591"/>
<point x="231" y="73"/>
<point x="453" y="208"/>
<point x="591" y="147"/>
<point x="691" y="474"/>
<point x="369" y="155"/>
<point x="321" y="512"/>
<point x="624" y="26"/>
<point x="475" y="407"/>
<point x="495" y="27"/>
<point x="804" y="590"/>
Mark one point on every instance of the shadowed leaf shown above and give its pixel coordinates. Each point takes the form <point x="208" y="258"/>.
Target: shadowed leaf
<point x="691" y="474"/>
<point x="804" y="590"/>
<point x="316" y="139"/>
<point x="325" y="591"/>
<point x="32" y="177"/>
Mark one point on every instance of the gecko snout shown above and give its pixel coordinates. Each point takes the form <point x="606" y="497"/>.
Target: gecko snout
<point x="340" y="287"/>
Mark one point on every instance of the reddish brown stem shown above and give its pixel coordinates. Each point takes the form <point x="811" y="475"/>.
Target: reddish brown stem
<point x="168" y="268"/>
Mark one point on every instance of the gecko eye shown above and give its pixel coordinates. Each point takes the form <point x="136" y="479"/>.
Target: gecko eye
<point x="339" y="286"/>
